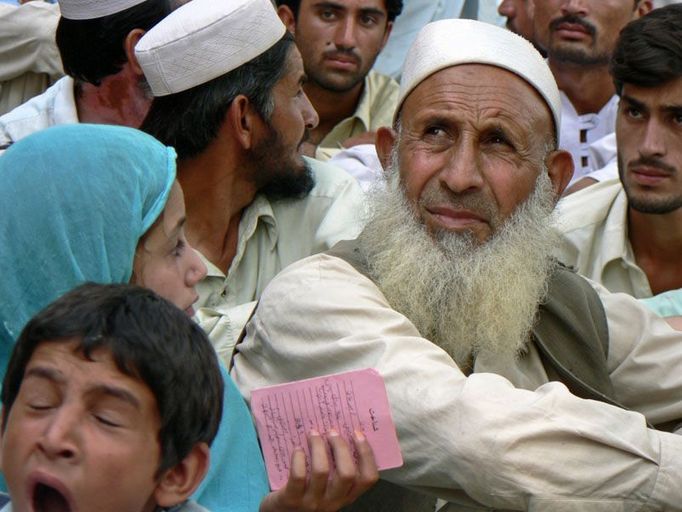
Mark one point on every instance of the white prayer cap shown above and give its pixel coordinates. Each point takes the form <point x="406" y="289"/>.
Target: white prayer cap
<point x="205" y="39"/>
<point x="451" y="42"/>
<point x="91" y="9"/>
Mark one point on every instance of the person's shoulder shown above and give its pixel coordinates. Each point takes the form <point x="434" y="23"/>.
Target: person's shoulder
<point x="34" y="115"/>
<point x="319" y="275"/>
<point x="383" y="92"/>
<point x="330" y="179"/>
<point x="587" y="207"/>
<point x="382" y="83"/>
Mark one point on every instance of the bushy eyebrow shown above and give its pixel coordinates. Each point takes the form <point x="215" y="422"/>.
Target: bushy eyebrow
<point x="634" y="103"/>
<point x="669" y="109"/>
<point x="338" y="7"/>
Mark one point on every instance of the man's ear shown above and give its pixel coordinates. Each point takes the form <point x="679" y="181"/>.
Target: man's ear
<point x="287" y="16"/>
<point x="389" y="27"/>
<point x="643" y="7"/>
<point x="129" y="44"/>
<point x="179" y="482"/>
<point x="560" y="169"/>
<point x="243" y="121"/>
<point x="385" y="140"/>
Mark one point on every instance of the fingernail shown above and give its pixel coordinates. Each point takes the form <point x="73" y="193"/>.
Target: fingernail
<point x="313" y="432"/>
<point x="333" y="433"/>
<point x="359" y="435"/>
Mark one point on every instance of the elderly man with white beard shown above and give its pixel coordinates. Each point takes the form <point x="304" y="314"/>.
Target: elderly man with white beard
<point x="514" y="383"/>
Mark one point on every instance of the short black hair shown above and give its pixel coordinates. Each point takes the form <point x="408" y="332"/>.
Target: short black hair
<point x="190" y="120"/>
<point x="149" y="339"/>
<point x="393" y="7"/>
<point x="649" y="50"/>
<point x="94" y="49"/>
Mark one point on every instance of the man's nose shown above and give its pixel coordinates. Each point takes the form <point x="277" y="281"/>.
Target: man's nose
<point x="653" y="141"/>
<point x="577" y="7"/>
<point x="345" y="36"/>
<point x="310" y="116"/>
<point x="462" y="172"/>
<point x="507" y="9"/>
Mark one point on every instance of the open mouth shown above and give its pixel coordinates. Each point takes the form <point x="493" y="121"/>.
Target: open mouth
<point x="49" y="499"/>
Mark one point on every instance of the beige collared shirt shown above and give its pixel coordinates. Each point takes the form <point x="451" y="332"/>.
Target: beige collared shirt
<point x="502" y="438"/>
<point x="594" y="227"/>
<point x="28" y="52"/>
<point x="375" y="109"/>
<point x="273" y="235"/>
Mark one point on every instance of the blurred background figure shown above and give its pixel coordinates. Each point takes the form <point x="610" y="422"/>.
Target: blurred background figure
<point x="28" y="52"/>
<point x="519" y="19"/>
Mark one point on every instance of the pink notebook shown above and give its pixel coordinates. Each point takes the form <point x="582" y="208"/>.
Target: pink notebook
<point x="348" y="401"/>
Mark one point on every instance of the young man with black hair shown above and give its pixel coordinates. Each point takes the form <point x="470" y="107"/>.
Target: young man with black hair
<point x="339" y="41"/>
<point x="110" y="401"/>
<point x="627" y="233"/>
<point x="104" y="84"/>
<point x="579" y="38"/>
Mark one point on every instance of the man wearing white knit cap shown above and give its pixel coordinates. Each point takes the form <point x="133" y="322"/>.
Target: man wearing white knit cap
<point x="104" y="83"/>
<point x="228" y="84"/>
<point x="508" y="375"/>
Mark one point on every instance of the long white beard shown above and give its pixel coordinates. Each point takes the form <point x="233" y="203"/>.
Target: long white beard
<point x="468" y="298"/>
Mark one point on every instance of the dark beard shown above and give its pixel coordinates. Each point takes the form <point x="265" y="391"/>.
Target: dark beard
<point x="276" y="177"/>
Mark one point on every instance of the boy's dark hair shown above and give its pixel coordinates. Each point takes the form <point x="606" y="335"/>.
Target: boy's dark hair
<point x="149" y="339"/>
<point x="649" y="50"/>
<point x="190" y="120"/>
<point x="94" y="49"/>
<point x="393" y="7"/>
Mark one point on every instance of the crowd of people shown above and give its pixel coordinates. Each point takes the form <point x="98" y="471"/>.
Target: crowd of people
<point x="205" y="197"/>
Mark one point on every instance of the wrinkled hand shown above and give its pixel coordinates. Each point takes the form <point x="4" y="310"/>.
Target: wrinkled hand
<point x="318" y="492"/>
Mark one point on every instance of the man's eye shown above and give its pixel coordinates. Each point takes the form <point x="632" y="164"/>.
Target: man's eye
<point x="434" y="131"/>
<point x="368" y="20"/>
<point x="633" y="113"/>
<point x="327" y="14"/>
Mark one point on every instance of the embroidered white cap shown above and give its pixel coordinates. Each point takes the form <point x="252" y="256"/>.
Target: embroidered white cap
<point x="91" y="9"/>
<point x="452" y="42"/>
<point x="205" y="39"/>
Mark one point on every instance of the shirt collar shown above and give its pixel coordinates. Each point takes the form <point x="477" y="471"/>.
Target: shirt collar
<point x="615" y="243"/>
<point x="258" y="212"/>
<point x="362" y="112"/>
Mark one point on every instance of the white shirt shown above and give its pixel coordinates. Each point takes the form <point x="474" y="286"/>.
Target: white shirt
<point x="56" y="105"/>
<point x="578" y="132"/>
<point x="594" y="227"/>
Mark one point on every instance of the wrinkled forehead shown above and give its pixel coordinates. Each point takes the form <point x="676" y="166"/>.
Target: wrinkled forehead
<point x="467" y="86"/>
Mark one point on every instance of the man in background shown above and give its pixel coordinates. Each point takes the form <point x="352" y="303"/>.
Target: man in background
<point x="339" y="41"/>
<point x="627" y="233"/>
<point x="104" y="83"/>
<point x="579" y="38"/>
